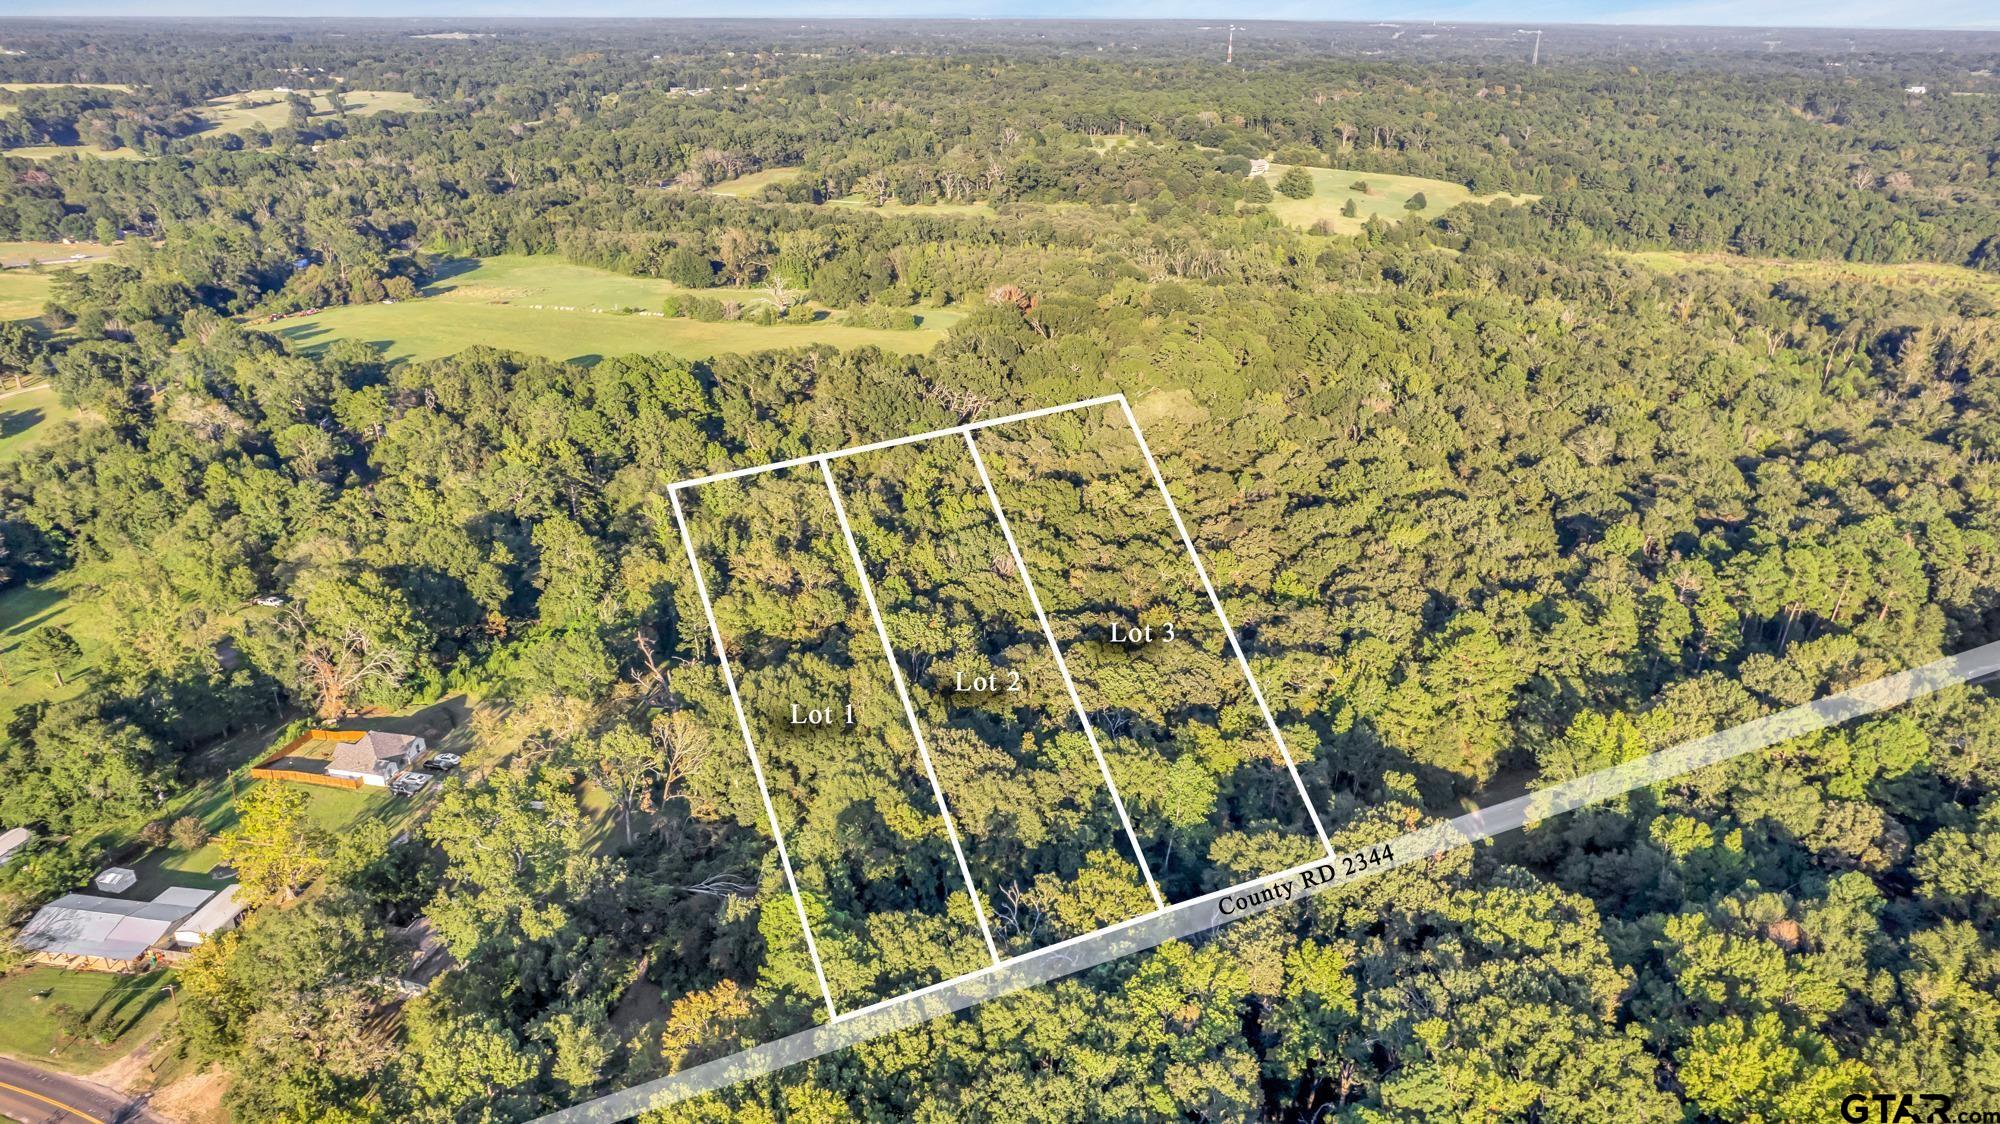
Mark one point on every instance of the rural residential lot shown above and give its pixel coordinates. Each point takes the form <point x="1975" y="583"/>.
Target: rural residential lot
<point x="1023" y="569"/>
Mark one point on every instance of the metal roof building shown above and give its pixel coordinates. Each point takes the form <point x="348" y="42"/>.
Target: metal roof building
<point x="92" y="929"/>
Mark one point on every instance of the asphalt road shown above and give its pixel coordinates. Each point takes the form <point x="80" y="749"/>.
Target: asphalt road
<point x="30" y="1095"/>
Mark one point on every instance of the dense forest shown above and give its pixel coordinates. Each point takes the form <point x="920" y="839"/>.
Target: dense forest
<point x="1492" y="497"/>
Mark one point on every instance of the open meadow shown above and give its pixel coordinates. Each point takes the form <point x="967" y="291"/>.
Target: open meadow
<point x="236" y="113"/>
<point x="16" y="254"/>
<point x="1387" y="197"/>
<point x="546" y="306"/>
<point x="25" y="608"/>
<point x="1892" y="275"/>
<point x="29" y="417"/>
<point x="743" y="187"/>
<point x="748" y="187"/>
<point x="22" y="293"/>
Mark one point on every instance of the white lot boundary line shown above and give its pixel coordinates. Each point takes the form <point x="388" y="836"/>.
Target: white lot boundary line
<point x="876" y="446"/>
<point x="903" y="693"/>
<point x="1228" y="629"/>
<point x="1062" y="666"/>
<point x="1198" y="915"/>
<point x="756" y="765"/>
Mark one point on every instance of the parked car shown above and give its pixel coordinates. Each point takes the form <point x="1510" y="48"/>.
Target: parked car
<point x="409" y="784"/>
<point x="444" y="761"/>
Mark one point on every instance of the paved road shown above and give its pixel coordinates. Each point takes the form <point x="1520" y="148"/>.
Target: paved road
<point x="31" y="1095"/>
<point x="1220" y="907"/>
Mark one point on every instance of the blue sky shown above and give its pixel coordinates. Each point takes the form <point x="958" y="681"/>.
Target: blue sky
<point x="1739" y="13"/>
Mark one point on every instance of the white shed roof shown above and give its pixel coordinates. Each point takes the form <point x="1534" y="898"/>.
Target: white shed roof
<point x="12" y="840"/>
<point x="220" y="911"/>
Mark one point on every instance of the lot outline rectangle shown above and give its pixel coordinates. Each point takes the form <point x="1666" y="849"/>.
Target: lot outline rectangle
<point x="966" y="431"/>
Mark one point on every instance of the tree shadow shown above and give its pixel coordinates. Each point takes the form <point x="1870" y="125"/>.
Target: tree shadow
<point x="447" y="270"/>
<point x="13" y="423"/>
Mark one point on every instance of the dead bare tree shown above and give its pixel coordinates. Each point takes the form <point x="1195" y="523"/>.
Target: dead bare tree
<point x="720" y="886"/>
<point x="335" y="668"/>
<point x="779" y="295"/>
<point x="686" y="749"/>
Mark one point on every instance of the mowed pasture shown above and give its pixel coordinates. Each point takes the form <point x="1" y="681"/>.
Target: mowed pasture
<point x="28" y="417"/>
<point x="14" y="254"/>
<point x="7" y="109"/>
<point x="743" y="187"/>
<point x="86" y="151"/>
<point x="236" y="113"/>
<point x="240" y="113"/>
<point x="750" y="186"/>
<point x="1386" y="198"/>
<point x="22" y="293"/>
<point x="24" y="289"/>
<point x="1903" y="275"/>
<point x="25" y="608"/>
<point x="549" y="307"/>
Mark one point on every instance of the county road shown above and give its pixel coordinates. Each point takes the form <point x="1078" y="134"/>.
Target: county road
<point x="31" y="1095"/>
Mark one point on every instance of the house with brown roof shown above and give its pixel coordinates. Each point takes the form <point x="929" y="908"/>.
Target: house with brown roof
<point x="375" y="757"/>
<point x="342" y="758"/>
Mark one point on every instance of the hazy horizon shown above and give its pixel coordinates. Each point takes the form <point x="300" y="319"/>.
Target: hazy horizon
<point x="1948" y="15"/>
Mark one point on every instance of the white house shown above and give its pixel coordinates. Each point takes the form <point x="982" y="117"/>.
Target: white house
<point x="375" y="757"/>
<point x="11" y="842"/>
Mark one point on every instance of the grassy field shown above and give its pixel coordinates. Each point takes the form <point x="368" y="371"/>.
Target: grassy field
<point x="24" y="87"/>
<point x="8" y="109"/>
<point x="743" y="187"/>
<point x="1387" y="194"/>
<point x="892" y="207"/>
<point x="236" y="113"/>
<point x="24" y="609"/>
<point x="1909" y="275"/>
<point x="88" y="151"/>
<point x="127" y="1009"/>
<point x="14" y="254"/>
<point x="28" y="418"/>
<point x="22" y="293"/>
<point x="546" y="306"/>
<point x="334" y="809"/>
